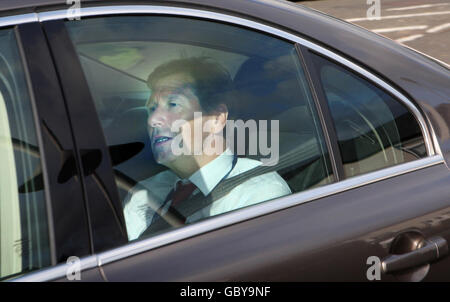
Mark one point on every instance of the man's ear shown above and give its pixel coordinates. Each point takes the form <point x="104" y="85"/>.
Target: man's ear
<point x="217" y="119"/>
<point x="220" y="118"/>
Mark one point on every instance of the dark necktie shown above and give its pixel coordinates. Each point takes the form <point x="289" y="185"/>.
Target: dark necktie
<point x="182" y="192"/>
<point x="177" y="195"/>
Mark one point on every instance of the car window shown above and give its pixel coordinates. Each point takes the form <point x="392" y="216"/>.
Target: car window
<point x="24" y="233"/>
<point x="374" y="130"/>
<point x="201" y="118"/>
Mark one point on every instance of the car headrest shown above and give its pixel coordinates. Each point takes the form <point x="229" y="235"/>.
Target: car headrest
<point x="269" y="89"/>
<point x="130" y="127"/>
<point x="266" y="87"/>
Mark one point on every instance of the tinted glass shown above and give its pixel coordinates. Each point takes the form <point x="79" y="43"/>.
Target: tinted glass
<point x="249" y="130"/>
<point x="24" y="240"/>
<point x="374" y="130"/>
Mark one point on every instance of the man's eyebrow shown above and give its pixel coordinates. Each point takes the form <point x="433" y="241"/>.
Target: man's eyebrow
<point x="150" y="101"/>
<point x="175" y="89"/>
<point x="187" y="85"/>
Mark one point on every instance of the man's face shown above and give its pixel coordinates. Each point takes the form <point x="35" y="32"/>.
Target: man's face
<point x="173" y="99"/>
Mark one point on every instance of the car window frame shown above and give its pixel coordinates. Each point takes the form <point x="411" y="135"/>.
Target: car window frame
<point x="106" y="220"/>
<point x="48" y="111"/>
<point x="434" y="156"/>
<point x="318" y="88"/>
<point x="323" y="112"/>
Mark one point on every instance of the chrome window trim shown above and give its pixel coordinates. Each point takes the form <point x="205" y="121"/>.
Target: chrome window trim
<point x="226" y="219"/>
<point x="213" y="223"/>
<point x="58" y="271"/>
<point x="429" y="136"/>
<point x="178" y="11"/>
<point x="263" y="208"/>
<point x="18" y="19"/>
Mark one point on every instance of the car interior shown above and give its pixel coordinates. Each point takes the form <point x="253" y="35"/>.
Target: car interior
<point x="367" y="123"/>
<point x="118" y="54"/>
<point x="124" y="118"/>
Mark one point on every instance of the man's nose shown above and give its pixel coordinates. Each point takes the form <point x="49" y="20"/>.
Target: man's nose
<point x="157" y="118"/>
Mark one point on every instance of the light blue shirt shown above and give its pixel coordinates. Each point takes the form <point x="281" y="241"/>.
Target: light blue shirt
<point x="141" y="205"/>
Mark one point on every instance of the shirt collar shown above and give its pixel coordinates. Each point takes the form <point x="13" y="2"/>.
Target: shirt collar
<point x="209" y="176"/>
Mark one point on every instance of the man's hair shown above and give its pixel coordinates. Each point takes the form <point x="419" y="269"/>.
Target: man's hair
<point x="212" y="83"/>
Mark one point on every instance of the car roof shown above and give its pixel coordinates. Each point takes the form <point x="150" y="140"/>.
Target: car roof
<point x="411" y="73"/>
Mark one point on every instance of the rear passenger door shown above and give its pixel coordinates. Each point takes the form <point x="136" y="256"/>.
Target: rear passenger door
<point x="356" y="155"/>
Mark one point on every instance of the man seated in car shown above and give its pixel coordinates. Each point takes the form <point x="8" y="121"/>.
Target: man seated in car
<point x="184" y="93"/>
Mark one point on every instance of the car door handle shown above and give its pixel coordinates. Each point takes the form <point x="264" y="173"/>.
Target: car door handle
<point x="433" y="249"/>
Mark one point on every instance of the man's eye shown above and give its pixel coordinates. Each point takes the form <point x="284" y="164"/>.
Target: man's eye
<point x="172" y="104"/>
<point x="152" y="109"/>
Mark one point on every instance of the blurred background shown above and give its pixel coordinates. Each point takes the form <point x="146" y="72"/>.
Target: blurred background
<point x="420" y="24"/>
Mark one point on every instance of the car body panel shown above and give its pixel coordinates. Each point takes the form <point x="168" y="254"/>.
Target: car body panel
<point x="68" y="221"/>
<point x="304" y="243"/>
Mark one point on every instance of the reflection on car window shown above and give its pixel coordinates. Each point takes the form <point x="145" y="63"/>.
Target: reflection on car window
<point x="374" y="130"/>
<point x="24" y="238"/>
<point x="206" y="120"/>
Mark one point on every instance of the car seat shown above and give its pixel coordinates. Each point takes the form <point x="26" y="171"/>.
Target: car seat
<point x="271" y="90"/>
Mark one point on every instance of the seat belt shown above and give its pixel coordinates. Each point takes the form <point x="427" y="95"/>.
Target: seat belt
<point x="198" y="202"/>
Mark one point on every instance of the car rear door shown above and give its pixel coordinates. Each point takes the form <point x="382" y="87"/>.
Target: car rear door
<point x="365" y="214"/>
<point x="331" y="238"/>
